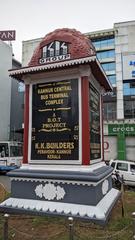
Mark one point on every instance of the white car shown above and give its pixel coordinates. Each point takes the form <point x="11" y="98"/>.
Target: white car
<point x="125" y="169"/>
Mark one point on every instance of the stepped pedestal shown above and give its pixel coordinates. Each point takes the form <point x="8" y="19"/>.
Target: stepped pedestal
<point x="84" y="192"/>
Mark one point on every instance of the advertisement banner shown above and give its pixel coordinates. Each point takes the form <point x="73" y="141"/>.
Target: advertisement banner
<point x="126" y="129"/>
<point x="128" y="66"/>
<point x="7" y="35"/>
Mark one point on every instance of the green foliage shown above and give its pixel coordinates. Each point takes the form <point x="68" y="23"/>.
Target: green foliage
<point x="119" y="223"/>
<point x="36" y="221"/>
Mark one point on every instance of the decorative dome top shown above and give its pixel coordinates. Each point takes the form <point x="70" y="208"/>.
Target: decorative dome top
<point x="61" y="45"/>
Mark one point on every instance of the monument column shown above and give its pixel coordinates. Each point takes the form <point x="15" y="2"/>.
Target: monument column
<point x="26" y="125"/>
<point x="102" y="117"/>
<point x="85" y="121"/>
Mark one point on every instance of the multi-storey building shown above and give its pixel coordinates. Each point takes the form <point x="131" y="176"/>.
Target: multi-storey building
<point x="116" y="52"/>
<point x="11" y="98"/>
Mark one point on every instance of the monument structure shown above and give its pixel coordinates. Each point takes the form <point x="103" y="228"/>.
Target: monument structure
<point x="63" y="172"/>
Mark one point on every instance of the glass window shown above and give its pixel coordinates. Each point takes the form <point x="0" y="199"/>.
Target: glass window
<point x="108" y="66"/>
<point x="4" y="150"/>
<point x="132" y="84"/>
<point x="21" y="87"/>
<point x="122" y="166"/>
<point x="16" y="151"/>
<point x="96" y="44"/>
<point x="111" y="41"/>
<point x="133" y="73"/>
<point x="128" y="89"/>
<point x="129" y="109"/>
<point x="106" y="54"/>
<point x="112" y="78"/>
<point x="109" y="112"/>
<point x="103" y="42"/>
<point x="113" y="164"/>
<point x="132" y="167"/>
<point x="132" y="91"/>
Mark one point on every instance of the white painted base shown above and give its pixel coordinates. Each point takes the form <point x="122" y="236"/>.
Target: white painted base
<point x="70" y="168"/>
<point x="97" y="213"/>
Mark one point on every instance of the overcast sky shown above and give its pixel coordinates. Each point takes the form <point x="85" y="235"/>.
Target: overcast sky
<point x="35" y="18"/>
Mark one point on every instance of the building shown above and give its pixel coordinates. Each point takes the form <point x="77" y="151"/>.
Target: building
<point x="116" y="52"/>
<point x="11" y="99"/>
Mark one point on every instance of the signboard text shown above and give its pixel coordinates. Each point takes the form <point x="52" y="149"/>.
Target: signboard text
<point x="127" y="129"/>
<point x="55" y="121"/>
<point x="7" y="35"/>
<point x="54" y="52"/>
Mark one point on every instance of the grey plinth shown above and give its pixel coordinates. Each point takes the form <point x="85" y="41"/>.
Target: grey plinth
<point x="84" y="192"/>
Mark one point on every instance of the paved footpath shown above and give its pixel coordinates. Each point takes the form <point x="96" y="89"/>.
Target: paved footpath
<point x="4" y="180"/>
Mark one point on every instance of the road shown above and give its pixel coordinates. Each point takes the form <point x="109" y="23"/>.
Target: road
<point x="5" y="180"/>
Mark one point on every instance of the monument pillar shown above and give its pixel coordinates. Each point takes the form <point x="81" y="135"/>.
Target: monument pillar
<point x="26" y="125"/>
<point x="85" y="121"/>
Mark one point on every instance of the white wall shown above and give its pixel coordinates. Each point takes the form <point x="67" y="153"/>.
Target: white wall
<point x="28" y="48"/>
<point x="5" y="89"/>
<point x="110" y="148"/>
<point x="130" y="148"/>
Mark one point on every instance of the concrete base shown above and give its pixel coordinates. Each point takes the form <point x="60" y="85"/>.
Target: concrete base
<point x="84" y="193"/>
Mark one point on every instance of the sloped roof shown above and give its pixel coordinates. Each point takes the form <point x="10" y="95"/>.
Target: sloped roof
<point x="79" y="45"/>
<point x="80" y="49"/>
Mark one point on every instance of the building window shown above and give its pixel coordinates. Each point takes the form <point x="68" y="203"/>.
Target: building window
<point x="122" y="166"/>
<point x="106" y="54"/>
<point x="129" y="109"/>
<point x="129" y="89"/>
<point x="108" y="66"/>
<point x="132" y="168"/>
<point x="109" y="112"/>
<point x="22" y="105"/>
<point x="103" y="43"/>
<point x="112" y="78"/>
<point x="113" y="164"/>
<point x="132" y="84"/>
<point x="21" y="87"/>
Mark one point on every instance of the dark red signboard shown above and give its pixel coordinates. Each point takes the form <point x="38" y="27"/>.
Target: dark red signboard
<point x="8" y="35"/>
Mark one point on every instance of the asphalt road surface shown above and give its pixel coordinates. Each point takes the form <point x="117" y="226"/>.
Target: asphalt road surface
<point x="5" y="180"/>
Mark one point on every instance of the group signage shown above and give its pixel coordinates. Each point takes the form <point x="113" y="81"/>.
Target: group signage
<point x="54" y="52"/>
<point x="55" y="121"/>
<point x="7" y="35"/>
<point x="95" y="137"/>
<point x="129" y="66"/>
<point x="126" y="129"/>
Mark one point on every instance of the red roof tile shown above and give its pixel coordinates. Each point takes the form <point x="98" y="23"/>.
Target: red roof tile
<point x="79" y="45"/>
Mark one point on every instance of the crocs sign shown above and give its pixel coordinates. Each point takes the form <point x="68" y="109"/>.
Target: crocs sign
<point x="54" y="52"/>
<point x="127" y="129"/>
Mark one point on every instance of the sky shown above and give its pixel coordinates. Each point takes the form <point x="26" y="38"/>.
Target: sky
<point x="35" y="18"/>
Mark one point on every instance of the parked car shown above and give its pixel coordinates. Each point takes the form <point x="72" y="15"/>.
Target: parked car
<point x="124" y="169"/>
